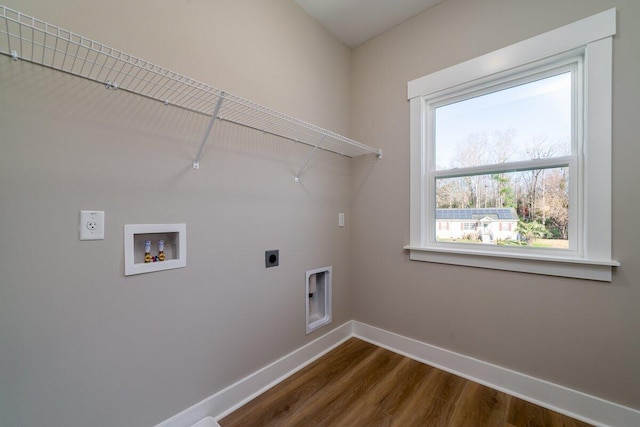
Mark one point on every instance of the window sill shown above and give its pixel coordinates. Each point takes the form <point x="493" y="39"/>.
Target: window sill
<point x="579" y="268"/>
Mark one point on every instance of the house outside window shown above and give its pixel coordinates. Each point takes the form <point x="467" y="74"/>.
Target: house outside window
<point x="489" y="226"/>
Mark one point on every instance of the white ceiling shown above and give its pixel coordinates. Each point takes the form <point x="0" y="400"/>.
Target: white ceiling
<point x="356" y="21"/>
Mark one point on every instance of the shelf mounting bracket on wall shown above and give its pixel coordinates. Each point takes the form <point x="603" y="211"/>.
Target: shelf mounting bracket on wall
<point x="212" y="120"/>
<point x="306" y="162"/>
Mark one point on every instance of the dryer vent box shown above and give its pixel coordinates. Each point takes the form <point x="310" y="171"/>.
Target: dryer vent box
<point x="318" y="298"/>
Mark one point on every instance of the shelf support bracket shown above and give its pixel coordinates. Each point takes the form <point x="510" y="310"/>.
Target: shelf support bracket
<point x="306" y="162"/>
<point x="212" y="120"/>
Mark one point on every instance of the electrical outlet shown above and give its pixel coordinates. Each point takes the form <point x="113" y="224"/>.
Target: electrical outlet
<point x="272" y="258"/>
<point x="91" y="225"/>
<point x="340" y="219"/>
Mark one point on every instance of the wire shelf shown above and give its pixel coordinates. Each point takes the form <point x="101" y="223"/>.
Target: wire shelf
<point x="26" y="38"/>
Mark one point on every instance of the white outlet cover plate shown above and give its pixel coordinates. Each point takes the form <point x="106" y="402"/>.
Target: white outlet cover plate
<point x="91" y="225"/>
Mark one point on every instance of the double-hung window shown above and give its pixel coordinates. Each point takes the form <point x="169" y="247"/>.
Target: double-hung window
<point x="518" y="141"/>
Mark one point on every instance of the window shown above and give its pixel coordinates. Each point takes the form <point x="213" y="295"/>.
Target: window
<point x="469" y="226"/>
<point x="512" y="144"/>
<point x="518" y="143"/>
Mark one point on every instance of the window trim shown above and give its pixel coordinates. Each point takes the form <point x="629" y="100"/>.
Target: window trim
<point x="592" y="37"/>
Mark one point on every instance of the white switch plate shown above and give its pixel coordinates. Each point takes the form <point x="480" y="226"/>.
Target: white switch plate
<point x="91" y="225"/>
<point x="340" y="220"/>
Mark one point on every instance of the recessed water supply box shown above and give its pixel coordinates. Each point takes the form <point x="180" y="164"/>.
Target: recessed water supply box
<point x="154" y="247"/>
<point x="318" y="297"/>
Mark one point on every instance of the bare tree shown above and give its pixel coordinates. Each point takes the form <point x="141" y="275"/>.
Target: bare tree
<point x="557" y="202"/>
<point x="538" y="195"/>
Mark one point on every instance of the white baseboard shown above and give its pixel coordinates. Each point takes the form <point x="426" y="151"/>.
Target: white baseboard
<point x="229" y="399"/>
<point x="575" y="404"/>
<point x="206" y="422"/>
<point x="570" y="402"/>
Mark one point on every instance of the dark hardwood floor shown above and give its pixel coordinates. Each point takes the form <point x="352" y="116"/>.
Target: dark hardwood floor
<point x="360" y="384"/>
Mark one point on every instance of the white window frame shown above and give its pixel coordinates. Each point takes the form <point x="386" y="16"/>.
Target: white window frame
<point x="590" y="255"/>
<point x="571" y="62"/>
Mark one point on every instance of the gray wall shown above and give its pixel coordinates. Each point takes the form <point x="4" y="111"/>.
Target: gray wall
<point x="82" y="345"/>
<point x="576" y="333"/>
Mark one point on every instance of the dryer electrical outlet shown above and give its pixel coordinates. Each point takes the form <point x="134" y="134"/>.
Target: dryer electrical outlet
<point x="91" y="225"/>
<point x="272" y="258"/>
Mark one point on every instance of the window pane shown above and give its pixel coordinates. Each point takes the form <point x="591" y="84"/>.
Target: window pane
<point x="524" y="208"/>
<point x="524" y="122"/>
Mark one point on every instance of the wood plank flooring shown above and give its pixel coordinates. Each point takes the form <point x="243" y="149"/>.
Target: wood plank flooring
<point x="360" y="384"/>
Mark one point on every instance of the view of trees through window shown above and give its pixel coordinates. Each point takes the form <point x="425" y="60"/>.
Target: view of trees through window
<point x="540" y="198"/>
<point x="527" y="205"/>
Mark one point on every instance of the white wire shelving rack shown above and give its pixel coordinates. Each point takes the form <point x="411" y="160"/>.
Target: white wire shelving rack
<point x="23" y="37"/>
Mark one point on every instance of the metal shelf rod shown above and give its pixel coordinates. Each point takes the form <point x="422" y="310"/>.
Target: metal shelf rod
<point x="214" y="116"/>
<point x="309" y="157"/>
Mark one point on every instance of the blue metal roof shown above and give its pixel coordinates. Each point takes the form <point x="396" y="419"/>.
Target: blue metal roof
<point x="461" y="214"/>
